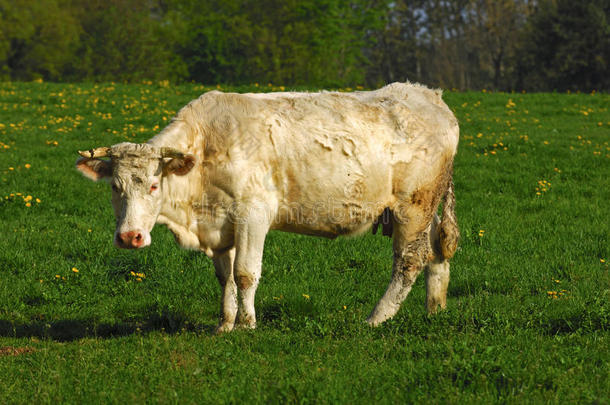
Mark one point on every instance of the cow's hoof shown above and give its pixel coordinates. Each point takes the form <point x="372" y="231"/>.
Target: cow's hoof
<point x="435" y="306"/>
<point x="246" y="321"/>
<point x="246" y="325"/>
<point x="379" y="315"/>
<point x="224" y="327"/>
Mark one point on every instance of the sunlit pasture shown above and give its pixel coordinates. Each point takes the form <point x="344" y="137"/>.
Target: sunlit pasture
<point x="528" y="303"/>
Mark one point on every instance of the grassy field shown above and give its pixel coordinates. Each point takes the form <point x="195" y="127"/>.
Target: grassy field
<point x="528" y="310"/>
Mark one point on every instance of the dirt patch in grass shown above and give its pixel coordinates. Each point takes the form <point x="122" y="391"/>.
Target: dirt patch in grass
<point x="15" y="351"/>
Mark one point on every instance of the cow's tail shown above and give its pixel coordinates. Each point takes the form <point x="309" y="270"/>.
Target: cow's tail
<point x="449" y="231"/>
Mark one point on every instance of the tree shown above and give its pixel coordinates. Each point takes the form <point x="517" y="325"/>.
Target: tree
<point x="567" y="46"/>
<point x="317" y="42"/>
<point x="37" y="39"/>
<point x="495" y="30"/>
<point x="396" y="54"/>
<point x="120" y="40"/>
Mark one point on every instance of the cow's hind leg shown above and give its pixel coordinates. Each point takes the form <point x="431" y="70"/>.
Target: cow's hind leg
<point x="437" y="273"/>
<point x="411" y="253"/>
<point x="437" y="281"/>
<point x="223" y="264"/>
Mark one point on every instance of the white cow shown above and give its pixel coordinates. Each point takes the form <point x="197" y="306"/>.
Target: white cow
<point x="231" y="167"/>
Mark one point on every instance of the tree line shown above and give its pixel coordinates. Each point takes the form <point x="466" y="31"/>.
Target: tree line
<point x="541" y="45"/>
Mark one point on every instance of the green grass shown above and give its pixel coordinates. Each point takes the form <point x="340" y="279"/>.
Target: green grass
<point x="101" y="335"/>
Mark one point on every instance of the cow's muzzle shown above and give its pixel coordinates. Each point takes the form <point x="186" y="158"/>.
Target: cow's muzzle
<point x="130" y="240"/>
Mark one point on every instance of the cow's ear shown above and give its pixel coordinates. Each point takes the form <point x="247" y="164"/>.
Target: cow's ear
<point x="95" y="169"/>
<point x="179" y="165"/>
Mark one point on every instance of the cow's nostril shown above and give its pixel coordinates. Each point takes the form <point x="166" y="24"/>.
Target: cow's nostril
<point x="130" y="239"/>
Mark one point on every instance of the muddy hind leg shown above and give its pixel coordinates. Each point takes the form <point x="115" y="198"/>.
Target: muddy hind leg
<point x="412" y="251"/>
<point x="437" y="273"/>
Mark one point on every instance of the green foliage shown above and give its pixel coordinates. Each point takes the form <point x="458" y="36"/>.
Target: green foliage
<point x="465" y="44"/>
<point x="396" y="52"/>
<point x="121" y="41"/>
<point x="528" y="311"/>
<point x="37" y="39"/>
<point x="567" y="46"/>
<point x="83" y="40"/>
<point x="287" y="42"/>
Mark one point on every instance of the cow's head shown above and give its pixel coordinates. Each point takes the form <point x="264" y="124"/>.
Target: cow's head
<point x="135" y="172"/>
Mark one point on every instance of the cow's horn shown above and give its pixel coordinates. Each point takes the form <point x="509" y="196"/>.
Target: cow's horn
<point x="171" y="153"/>
<point x="95" y="153"/>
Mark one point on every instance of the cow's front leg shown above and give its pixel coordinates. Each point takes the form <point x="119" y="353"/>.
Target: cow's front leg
<point x="249" y="242"/>
<point x="223" y="263"/>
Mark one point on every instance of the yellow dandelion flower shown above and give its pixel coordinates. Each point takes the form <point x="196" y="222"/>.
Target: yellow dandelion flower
<point x="74" y="269"/>
<point x="27" y="165"/>
<point x="602" y="260"/>
<point x="306" y="296"/>
<point x="28" y="198"/>
<point x="28" y="204"/>
<point x="38" y="200"/>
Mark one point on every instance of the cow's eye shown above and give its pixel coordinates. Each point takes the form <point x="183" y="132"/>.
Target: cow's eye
<point x="154" y="187"/>
<point x="115" y="188"/>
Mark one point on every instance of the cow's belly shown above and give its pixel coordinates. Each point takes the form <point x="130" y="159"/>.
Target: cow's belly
<point x="320" y="220"/>
<point x="332" y="194"/>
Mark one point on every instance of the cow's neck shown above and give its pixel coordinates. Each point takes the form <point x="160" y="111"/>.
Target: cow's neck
<point x="181" y="194"/>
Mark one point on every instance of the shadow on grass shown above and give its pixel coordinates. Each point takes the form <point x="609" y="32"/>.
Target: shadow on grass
<point x="73" y="329"/>
<point x="585" y="322"/>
